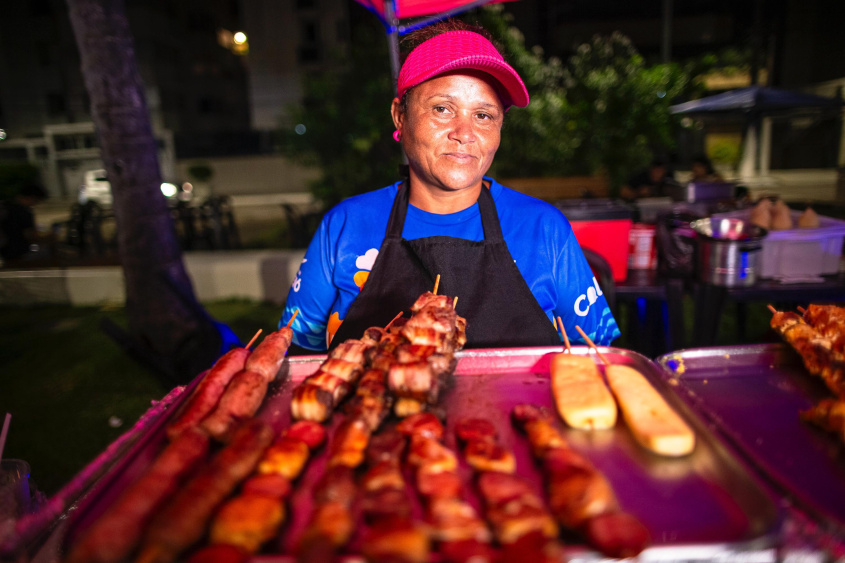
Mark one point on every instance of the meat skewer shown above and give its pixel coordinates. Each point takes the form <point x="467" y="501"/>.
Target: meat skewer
<point x="460" y="532"/>
<point x="580" y="497"/>
<point x="331" y="524"/>
<point x="183" y="520"/>
<point x="116" y="533"/>
<point x="518" y="517"/>
<point x="269" y="355"/>
<point x="246" y="390"/>
<point x="829" y="415"/>
<point x="253" y="517"/>
<point x="209" y="390"/>
<point x="815" y="349"/>
<point x="240" y="401"/>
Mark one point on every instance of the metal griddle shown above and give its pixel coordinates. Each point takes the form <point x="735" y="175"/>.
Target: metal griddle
<point x="753" y="395"/>
<point x="700" y="507"/>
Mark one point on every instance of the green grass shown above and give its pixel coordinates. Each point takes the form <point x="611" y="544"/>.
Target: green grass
<point x="63" y="380"/>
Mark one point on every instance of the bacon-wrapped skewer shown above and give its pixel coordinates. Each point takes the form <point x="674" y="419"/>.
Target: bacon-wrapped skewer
<point x="383" y="491"/>
<point x="580" y="497"/>
<point x="815" y="349"/>
<point x="253" y="517"/>
<point x="829" y="321"/>
<point x="331" y="523"/>
<point x="391" y="533"/>
<point x="455" y="525"/>
<point x="518" y="517"/>
<point x="829" y="414"/>
<point x="317" y="396"/>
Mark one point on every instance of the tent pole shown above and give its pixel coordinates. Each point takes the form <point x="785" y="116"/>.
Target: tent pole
<point x="392" y="40"/>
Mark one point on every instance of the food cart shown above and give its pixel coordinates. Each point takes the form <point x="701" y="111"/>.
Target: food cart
<point x="760" y="485"/>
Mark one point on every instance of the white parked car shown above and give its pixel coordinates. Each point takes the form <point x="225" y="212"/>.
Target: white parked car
<point x="97" y="188"/>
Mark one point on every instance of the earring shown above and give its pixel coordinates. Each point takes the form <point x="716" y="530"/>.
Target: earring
<point x="397" y="136"/>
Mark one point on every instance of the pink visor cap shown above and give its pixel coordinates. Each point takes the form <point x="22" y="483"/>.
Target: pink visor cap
<point x="456" y="50"/>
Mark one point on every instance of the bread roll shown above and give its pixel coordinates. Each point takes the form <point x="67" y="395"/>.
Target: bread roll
<point x="654" y="424"/>
<point x="761" y="214"/>
<point x="781" y="217"/>
<point x="580" y="394"/>
<point x="809" y="219"/>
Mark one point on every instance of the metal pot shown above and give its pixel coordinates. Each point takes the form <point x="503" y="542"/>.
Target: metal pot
<point x="728" y="251"/>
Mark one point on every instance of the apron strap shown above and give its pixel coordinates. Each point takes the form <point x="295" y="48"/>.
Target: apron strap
<point x="396" y="223"/>
<point x="489" y="216"/>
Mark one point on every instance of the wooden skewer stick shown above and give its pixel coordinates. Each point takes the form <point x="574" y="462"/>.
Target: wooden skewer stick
<point x="563" y="334"/>
<point x="253" y="338"/>
<point x="592" y="344"/>
<point x="455" y="302"/>
<point x="436" y="284"/>
<point x="399" y="314"/>
<point x="802" y="310"/>
<point x="290" y="322"/>
<point x="772" y="309"/>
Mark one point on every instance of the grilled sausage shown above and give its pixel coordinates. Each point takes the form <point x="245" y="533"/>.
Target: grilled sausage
<point x="183" y="520"/>
<point x="116" y="533"/>
<point x="241" y="400"/>
<point x="208" y="392"/>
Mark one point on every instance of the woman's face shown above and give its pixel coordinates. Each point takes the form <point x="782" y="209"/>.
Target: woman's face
<point x="450" y="130"/>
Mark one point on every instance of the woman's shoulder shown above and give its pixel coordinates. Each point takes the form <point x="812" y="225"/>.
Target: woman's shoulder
<point x="525" y="206"/>
<point x="364" y="206"/>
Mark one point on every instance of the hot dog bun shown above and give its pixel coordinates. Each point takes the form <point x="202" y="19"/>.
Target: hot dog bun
<point x="580" y="394"/>
<point x="654" y="424"/>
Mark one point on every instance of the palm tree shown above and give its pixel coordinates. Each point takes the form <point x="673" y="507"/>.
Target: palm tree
<point x="167" y="325"/>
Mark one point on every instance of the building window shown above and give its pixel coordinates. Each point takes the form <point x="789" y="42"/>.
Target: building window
<point x="309" y="45"/>
<point x="56" y="104"/>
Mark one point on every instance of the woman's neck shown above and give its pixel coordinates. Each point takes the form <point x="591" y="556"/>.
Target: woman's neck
<point x="443" y="202"/>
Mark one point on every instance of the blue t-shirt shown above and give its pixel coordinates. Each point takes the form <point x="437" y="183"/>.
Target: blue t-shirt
<point x="538" y="236"/>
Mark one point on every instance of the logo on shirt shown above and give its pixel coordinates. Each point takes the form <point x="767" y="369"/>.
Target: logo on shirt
<point x="590" y="296"/>
<point x="365" y="265"/>
<point x="297" y="280"/>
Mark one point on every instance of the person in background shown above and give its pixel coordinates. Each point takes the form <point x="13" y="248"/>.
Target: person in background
<point x="513" y="260"/>
<point x="703" y="171"/>
<point x="17" y="223"/>
<point x="651" y="182"/>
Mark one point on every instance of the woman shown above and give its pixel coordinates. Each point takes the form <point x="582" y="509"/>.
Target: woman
<point x="703" y="171"/>
<point x="512" y="260"/>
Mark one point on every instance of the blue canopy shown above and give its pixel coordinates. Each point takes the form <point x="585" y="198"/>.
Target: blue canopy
<point x="755" y="99"/>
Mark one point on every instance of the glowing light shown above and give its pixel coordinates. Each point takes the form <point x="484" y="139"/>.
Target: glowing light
<point x="168" y="189"/>
<point x="2" y="134"/>
<point x="239" y="38"/>
<point x="300" y="129"/>
<point x="187" y="187"/>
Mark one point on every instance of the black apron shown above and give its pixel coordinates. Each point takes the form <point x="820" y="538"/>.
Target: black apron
<point x="493" y="296"/>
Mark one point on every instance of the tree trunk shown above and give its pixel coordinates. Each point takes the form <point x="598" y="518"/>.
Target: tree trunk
<point x="163" y="313"/>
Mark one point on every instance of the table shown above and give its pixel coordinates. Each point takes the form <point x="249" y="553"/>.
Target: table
<point x="710" y="301"/>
